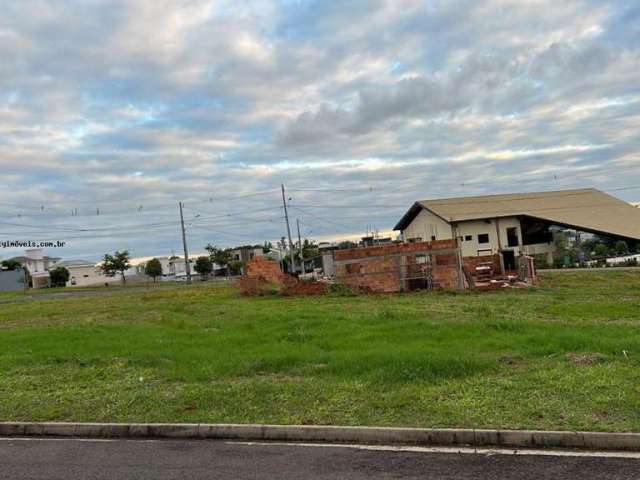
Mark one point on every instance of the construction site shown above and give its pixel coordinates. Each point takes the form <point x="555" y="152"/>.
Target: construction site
<point x="392" y="268"/>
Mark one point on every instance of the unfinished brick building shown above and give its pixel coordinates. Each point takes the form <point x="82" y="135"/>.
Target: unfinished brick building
<point x="402" y="266"/>
<point x="409" y="266"/>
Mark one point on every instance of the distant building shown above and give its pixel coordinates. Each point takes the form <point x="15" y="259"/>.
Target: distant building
<point x="244" y="254"/>
<point x="174" y="267"/>
<point x="83" y="273"/>
<point x="38" y="266"/>
<point x="371" y="241"/>
<point x="630" y="259"/>
<point x="327" y="253"/>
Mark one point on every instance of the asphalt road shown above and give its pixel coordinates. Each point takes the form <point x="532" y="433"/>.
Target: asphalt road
<point x="50" y="459"/>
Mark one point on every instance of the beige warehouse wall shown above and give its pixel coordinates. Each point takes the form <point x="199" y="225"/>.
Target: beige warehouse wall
<point x="426" y="225"/>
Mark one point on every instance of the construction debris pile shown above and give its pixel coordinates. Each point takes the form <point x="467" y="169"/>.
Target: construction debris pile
<point x="264" y="277"/>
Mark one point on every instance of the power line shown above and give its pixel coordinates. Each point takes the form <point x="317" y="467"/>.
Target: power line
<point x="342" y="225"/>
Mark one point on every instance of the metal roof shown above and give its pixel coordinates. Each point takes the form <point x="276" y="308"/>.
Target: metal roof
<point x="75" y="263"/>
<point x="586" y="209"/>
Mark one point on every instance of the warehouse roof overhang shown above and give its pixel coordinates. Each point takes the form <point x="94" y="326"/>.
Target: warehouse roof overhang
<point x="586" y="209"/>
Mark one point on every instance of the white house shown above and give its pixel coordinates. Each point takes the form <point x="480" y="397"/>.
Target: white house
<point x="515" y="224"/>
<point x="174" y="267"/>
<point x="166" y="263"/>
<point x="244" y="254"/>
<point x="38" y="266"/>
<point x="623" y="259"/>
<point x="83" y="273"/>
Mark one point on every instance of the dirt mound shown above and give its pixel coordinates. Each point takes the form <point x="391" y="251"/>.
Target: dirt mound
<point x="586" y="358"/>
<point x="264" y="277"/>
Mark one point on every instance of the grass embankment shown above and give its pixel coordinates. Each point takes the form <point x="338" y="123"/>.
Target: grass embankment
<point x="562" y="356"/>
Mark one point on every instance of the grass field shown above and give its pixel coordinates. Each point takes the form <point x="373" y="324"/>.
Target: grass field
<point x="565" y="355"/>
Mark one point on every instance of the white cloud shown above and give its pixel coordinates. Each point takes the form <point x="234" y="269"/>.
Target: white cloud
<point x="131" y="102"/>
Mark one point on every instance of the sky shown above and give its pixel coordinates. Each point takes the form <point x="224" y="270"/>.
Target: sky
<point x="113" y="111"/>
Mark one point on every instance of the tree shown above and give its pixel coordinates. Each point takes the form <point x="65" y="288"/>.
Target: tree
<point x="204" y="266"/>
<point x="59" y="276"/>
<point x="601" y="250"/>
<point x="153" y="268"/>
<point x="309" y="248"/>
<point x="11" y="264"/>
<point x="621" y="247"/>
<point x="236" y="267"/>
<point x="116" y="263"/>
<point x="561" y="242"/>
<point x="267" y="247"/>
<point x="219" y="256"/>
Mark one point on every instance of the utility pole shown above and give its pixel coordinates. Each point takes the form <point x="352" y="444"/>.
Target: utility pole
<point x="292" y="266"/>
<point x="300" y="247"/>
<point x="187" y="267"/>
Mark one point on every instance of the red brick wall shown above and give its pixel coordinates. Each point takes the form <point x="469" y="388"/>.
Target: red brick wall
<point x="269" y="270"/>
<point x="384" y="274"/>
<point x="472" y="262"/>
<point x="380" y="250"/>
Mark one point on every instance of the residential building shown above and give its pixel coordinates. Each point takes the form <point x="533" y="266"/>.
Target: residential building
<point x="244" y="254"/>
<point x="38" y="266"/>
<point x="512" y="225"/>
<point x="83" y="273"/>
<point x="174" y="268"/>
<point x="178" y="268"/>
<point x="327" y="252"/>
<point x="621" y="260"/>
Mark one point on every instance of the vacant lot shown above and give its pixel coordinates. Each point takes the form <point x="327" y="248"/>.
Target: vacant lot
<point x="565" y="355"/>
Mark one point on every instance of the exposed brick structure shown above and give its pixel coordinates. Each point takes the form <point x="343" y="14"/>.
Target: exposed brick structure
<point x="381" y="269"/>
<point x="268" y="270"/>
<point x="380" y="250"/>
<point x="264" y="276"/>
<point x="401" y="266"/>
<point x="472" y="262"/>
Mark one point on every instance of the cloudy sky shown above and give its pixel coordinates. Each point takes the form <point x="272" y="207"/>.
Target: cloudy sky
<point x="113" y="111"/>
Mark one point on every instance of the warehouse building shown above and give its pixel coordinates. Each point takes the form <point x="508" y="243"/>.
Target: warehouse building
<point x="512" y="225"/>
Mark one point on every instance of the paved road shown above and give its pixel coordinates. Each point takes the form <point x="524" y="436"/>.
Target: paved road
<point x="50" y="459"/>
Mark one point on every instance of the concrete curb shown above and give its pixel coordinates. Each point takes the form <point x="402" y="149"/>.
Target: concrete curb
<point x="358" y="435"/>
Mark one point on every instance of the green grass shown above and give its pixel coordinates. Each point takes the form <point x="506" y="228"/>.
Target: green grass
<point x="565" y="355"/>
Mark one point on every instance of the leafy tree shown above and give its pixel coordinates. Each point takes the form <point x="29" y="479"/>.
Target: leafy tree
<point x="309" y="248"/>
<point x="347" y="244"/>
<point x="204" y="266"/>
<point x="236" y="267"/>
<point x="561" y="242"/>
<point x="601" y="249"/>
<point x="621" y="247"/>
<point x="59" y="276"/>
<point x="11" y="264"/>
<point x="219" y="256"/>
<point x="119" y="262"/>
<point x="267" y="247"/>
<point x="153" y="268"/>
